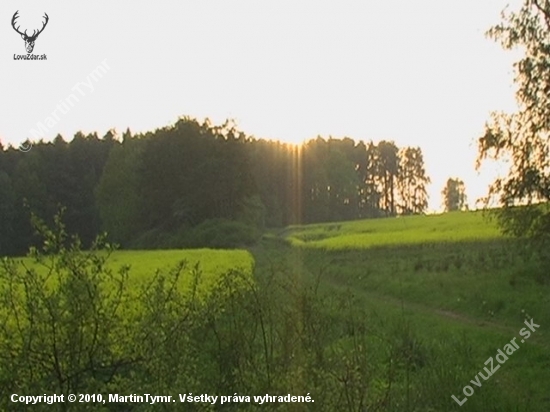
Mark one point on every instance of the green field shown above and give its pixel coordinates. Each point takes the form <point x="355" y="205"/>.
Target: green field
<point x="450" y="227"/>
<point x="393" y="314"/>
<point x="454" y="261"/>
<point x="453" y="278"/>
<point x="211" y="263"/>
<point x="143" y="264"/>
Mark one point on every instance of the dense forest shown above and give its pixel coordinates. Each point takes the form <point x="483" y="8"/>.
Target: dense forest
<point x="193" y="184"/>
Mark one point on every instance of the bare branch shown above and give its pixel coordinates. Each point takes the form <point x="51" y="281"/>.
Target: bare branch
<point x="544" y="12"/>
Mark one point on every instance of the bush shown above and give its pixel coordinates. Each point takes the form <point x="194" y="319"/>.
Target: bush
<point x="152" y="239"/>
<point x="69" y="325"/>
<point x="212" y="233"/>
<point x="219" y="234"/>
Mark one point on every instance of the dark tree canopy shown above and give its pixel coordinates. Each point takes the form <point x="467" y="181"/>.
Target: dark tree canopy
<point x="191" y="180"/>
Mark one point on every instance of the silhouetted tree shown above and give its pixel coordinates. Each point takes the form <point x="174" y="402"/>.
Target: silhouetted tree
<point x="412" y="181"/>
<point x="118" y="193"/>
<point x="371" y="193"/>
<point x="388" y="171"/>
<point x="454" y="195"/>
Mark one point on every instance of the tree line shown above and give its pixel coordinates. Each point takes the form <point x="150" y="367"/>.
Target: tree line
<point x="151" y="189"/>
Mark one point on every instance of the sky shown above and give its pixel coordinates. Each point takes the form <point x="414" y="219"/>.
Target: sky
<point x="418" y="72"/>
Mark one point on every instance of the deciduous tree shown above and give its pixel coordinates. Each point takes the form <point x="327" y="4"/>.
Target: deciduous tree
<point x="522" y="138"/>
<point x="412" y="181"/>
<point x="454" y="195"/>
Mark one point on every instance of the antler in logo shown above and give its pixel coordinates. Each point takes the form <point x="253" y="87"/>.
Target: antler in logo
<point x="29" y="40"/>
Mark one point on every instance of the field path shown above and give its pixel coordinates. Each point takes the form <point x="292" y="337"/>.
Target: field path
<point x="292" y="259"/>
<point x="506" y="330"/>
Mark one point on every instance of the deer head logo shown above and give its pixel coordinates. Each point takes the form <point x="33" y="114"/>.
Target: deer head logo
<point x="29" y="40"/>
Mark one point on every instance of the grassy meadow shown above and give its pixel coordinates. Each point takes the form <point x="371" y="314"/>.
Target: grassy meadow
<point x="454" y="261"/>
<point x="401" y="231"/>
<point x="452" y="280"/>
<point x="394" y="314"/>
<point x="143" y="264"/>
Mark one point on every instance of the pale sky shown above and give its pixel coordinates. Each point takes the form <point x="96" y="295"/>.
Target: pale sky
<point x="419" y="72"/>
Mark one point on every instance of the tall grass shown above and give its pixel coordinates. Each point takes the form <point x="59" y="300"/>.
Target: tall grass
<point x="407" y="230"/>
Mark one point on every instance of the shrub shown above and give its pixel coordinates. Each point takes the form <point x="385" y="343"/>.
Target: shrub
<point x="221" y="234"/>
